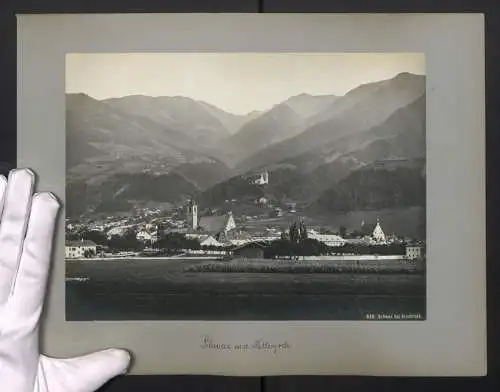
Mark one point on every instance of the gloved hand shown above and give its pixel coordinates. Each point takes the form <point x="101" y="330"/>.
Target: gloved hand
<point x="27" y="226"/>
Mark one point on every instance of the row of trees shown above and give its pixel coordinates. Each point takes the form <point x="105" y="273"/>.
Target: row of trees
<point x="296" y="234"/>
<point x="306" y="247"/>
<point x="177" y="241"/>
<point x="312" y="247"/>
<point x="295" y="242"/>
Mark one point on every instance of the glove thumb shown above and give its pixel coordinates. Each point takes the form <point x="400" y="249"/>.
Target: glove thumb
<point x="86" y="373"/>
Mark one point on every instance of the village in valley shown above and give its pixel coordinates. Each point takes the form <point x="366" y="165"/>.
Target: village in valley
<point x="278" y="233"/>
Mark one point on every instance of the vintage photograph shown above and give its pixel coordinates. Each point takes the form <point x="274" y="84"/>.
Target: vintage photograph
<point x="245" y="186"/>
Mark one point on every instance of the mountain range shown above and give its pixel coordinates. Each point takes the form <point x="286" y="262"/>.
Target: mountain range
<point x="283" y="121"/>
<point x="314" y="148"/>
<point x="359" y="110"/>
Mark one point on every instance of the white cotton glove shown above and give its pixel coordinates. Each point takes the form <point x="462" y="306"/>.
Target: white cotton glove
<point x="27" y="226"/>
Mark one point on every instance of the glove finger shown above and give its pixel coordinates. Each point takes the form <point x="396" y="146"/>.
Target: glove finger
<point x="3" y="188"/>
<point x="16" y="208"/>
<point x="30" y="284"/>
<point x="86" y="373"/>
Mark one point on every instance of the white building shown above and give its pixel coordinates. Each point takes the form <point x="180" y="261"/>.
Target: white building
<point x="80" y="249"/>
<point x="262" y="201"/>
<point x="414" y="252"/>
<point x="118" y="230"/>
<point x="204" y="239"/>
<point x="97" y="227"/>
<point x="145" y="236"/>
<point x="239" y="242"/>
<point x="263" y="179"/>
<point x="327" y="239"/>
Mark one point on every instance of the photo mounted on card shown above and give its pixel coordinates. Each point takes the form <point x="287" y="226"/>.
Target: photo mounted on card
<point x="266" y="195"/>
<point x="245" y="186"/>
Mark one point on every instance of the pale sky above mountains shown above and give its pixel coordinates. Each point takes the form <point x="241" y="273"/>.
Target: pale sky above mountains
<point x="236" y="82"/>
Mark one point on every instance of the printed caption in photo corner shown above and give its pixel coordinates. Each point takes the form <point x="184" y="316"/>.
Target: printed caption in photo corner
<point x="393" y="316"/>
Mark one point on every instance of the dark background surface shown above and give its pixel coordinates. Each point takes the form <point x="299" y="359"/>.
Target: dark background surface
<point x="8" y="9"/>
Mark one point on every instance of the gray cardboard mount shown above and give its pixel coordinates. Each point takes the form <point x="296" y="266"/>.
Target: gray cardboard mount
<point x="451" y="342"/>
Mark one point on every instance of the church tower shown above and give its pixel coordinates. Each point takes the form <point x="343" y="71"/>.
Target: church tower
<point x="192" y="214"/>
<point x="378" y="233"/>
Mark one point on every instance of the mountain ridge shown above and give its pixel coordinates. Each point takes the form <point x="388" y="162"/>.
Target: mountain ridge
<point x="102" y="141"/>
<point x="373" y="104"/>
<point x="398" y="141"/>
<point x="283" y="120"/>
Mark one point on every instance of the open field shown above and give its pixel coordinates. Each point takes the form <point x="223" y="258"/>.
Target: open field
<point x="162" y="290"/>
<point x="367" y="264"/>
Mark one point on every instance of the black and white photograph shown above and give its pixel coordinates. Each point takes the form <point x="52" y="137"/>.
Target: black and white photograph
<point x="245" y="186"/>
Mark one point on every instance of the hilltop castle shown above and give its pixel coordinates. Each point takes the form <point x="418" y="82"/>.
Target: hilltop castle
<point x="263" y="179"/>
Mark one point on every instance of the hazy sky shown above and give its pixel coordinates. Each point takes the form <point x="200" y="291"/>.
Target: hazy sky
<point x="235" y="82"/>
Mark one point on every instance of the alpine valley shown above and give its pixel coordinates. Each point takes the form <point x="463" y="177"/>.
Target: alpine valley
<point x="325" y="156"/>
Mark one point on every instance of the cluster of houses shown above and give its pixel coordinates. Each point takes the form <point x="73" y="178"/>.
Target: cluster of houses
<point x="221" y="231"/>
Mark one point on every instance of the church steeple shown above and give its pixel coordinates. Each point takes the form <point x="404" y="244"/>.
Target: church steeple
<point x="192" y="214"/>
<point x="378" y="233"/>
